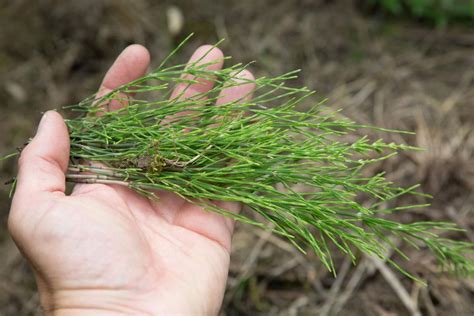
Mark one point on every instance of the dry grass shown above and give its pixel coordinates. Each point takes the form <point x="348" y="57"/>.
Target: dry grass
<point x="391" y="74"/>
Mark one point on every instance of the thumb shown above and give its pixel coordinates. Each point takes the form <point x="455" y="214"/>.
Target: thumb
<point x="43" y="163"/>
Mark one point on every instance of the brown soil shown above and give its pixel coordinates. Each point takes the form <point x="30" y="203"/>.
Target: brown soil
<point x="395" y="74"/>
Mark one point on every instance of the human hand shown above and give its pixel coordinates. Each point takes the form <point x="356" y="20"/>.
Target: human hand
<point x="106" y="250"/>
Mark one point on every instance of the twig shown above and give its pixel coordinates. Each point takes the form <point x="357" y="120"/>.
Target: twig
<point x="252" y="257"/>
<point x="336" y="287"/>
<point x="396" y="285"/>
<point x="297" y="304"/>
<point x="425" y="295"/>
<point x="284" y="245"/>
<point x="363" y="268"/>
<point x="288" y="265"/>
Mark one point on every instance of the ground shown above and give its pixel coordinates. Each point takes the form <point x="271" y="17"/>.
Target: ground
<point x="392" y="73"/>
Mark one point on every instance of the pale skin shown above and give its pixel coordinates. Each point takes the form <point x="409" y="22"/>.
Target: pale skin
<point x="106" y="250"/>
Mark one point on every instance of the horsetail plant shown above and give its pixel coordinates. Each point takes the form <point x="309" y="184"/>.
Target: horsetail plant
<point x="296" y="169"/>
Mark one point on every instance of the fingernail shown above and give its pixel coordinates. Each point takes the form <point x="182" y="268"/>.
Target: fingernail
<point x="42" y="122"/>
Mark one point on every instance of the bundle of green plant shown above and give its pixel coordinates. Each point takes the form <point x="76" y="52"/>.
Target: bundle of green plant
<point x="441" y="12"/>
<point x="297" y="170"/>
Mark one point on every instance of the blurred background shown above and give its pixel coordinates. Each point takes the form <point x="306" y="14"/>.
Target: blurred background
<point x="405" y="64"/>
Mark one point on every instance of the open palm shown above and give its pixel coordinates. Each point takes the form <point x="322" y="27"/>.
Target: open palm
<point x="105" y="249"/>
